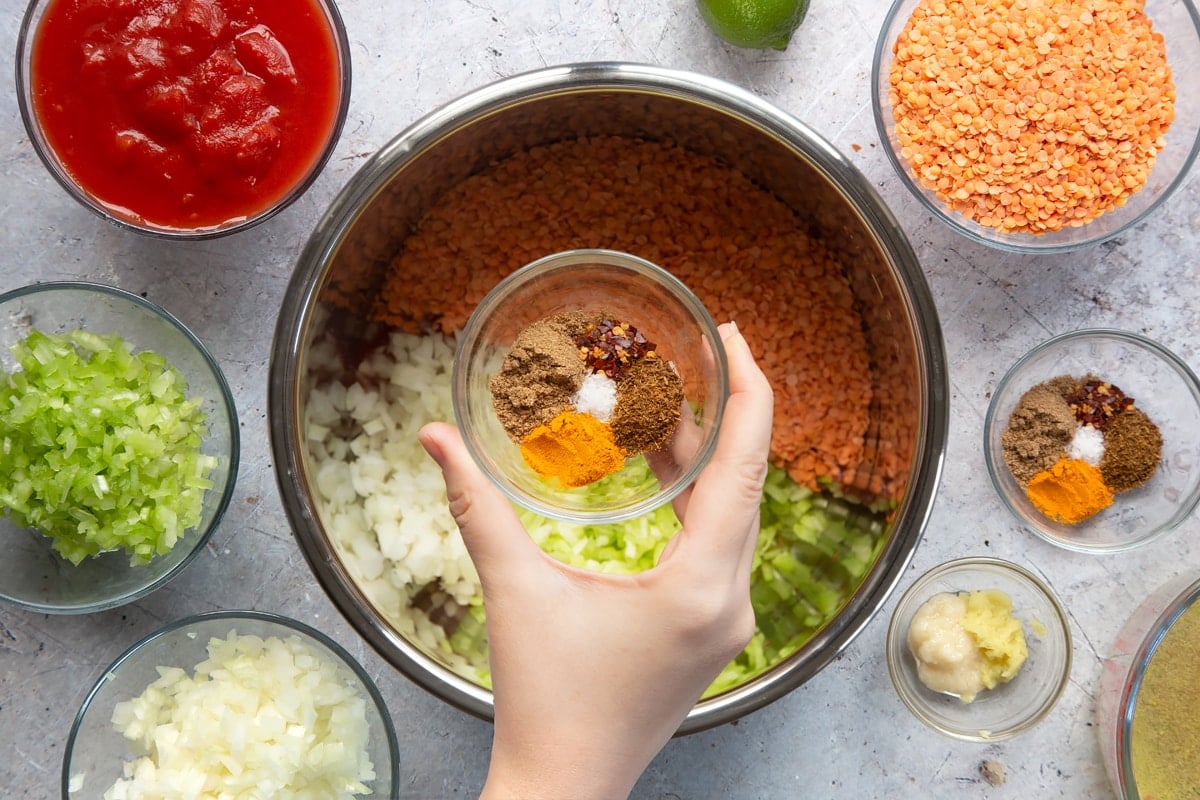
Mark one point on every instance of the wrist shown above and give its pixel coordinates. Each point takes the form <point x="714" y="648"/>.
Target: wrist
<point x="558" y="773"/>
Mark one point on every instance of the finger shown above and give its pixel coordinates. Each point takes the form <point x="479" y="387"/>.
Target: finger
<point x="688" y="437"/>
<point x="496" y="541"/>
<point x="669" y="461"/>
<point x="729" y="491"/>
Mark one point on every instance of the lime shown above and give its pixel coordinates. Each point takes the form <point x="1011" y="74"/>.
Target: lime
<point x="754" y="23"/>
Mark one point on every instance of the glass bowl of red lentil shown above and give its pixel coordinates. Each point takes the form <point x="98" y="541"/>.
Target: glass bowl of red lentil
<point x="1043" y="126"/>
<point x="229" y="127"/>
<point x="577" y="364"/>
<point x="1092" y="440"/>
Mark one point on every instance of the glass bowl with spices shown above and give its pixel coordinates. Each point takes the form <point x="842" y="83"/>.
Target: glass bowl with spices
<point x="1092" y="440"/>
<point x="979" y="649"/>
<point x="1029" y="128"/>
<point x="577" y="366"/>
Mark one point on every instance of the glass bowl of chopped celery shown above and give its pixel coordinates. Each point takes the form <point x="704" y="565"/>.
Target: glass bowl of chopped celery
<point x="227" y="703"/>
<point x="979" y="649"/>
<point x="1031" y="134"/>
<point x="579" y="367"/>
<point x="1092" y="440"/>
<point x="120" y="447"/>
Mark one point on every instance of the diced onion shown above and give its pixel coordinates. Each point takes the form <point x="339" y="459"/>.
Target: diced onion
<point x="259" y="719"/>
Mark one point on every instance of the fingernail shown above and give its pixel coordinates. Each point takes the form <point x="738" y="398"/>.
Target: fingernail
<point x="431" y="445"/>
<point x="730" y="330"/>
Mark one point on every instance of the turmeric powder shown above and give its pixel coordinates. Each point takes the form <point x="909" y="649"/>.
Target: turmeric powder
<point x="1070" y="491"/>
<point x="573" y="448"/>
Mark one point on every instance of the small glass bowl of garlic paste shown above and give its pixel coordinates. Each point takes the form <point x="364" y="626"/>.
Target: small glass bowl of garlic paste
<point x="967" y="709"/>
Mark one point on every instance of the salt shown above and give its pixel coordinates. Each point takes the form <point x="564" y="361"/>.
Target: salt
<point x="1087" y="445"/>
<point x="597" y="396"/>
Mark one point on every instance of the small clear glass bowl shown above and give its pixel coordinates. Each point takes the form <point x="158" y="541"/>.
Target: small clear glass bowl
<point x="1010" y="708"/>
<point x="635" y="291"/>
<point x="96" y="751"/>
<point x="32" y="575"/>
<point x="1179" y="24"/>
<point x="130" y="219"/>
<point x="1124" y="674"/>
<point x="1161" y="384"/>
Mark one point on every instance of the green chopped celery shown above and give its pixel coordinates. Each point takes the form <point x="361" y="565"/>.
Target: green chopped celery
<point x="100" y="446"/>
<point x="813" y="550"/>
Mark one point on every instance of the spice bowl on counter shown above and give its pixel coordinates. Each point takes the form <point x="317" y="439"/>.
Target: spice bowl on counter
<point x="579" y="364"/>
<point x="184" y="121"/>
<point x="979" y="649"/>
<point x="121" y="447"/>
<point x="1009" y="122"/>
<point x="1092" y="440"/>
<point x="228" y="702"/>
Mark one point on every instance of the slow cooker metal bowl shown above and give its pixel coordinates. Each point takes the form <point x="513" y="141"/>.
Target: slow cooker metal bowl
<point x="354" y="241"/>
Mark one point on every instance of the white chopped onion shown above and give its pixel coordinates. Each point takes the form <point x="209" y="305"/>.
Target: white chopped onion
<point x="260" y="718"/>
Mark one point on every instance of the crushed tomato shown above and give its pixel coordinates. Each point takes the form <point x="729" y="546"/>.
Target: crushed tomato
<point x="186" y="114"/>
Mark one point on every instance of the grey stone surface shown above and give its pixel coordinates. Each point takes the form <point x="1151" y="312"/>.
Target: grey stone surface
<point x="842" y="735"/>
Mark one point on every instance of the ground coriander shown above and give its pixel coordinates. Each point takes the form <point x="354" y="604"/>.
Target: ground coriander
<point x="539" y="374"/>
<point x="1039" y="429"/>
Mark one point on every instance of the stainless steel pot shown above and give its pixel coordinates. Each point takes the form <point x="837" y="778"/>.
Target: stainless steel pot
<point x="354" y="241"/>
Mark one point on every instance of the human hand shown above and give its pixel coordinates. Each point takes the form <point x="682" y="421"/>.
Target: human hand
<point x="593" y="673"/>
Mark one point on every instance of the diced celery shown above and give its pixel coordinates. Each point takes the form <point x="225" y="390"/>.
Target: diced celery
<point x="101" y="446"/>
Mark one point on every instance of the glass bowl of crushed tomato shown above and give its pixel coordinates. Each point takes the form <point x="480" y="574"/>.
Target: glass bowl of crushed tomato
<point x="121" y="447"/>
<point x="183" y="120"/>
<point x="578" y="366"/>
<point x="1031" y="129"/>
<point x="1092" y="440"/>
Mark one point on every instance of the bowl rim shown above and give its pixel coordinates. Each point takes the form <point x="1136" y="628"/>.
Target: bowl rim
<point x="1135" y="677"/>
<point x="895" y="649"/>
<point x="558" y="262"/>
<point x="23" y="53"/>
<point x="1015" y="243"/>
<point x="230" y="410"/>
<point x="293" y="625"/>
<point x="994" y="461"/>
<point x="296" y="320"/>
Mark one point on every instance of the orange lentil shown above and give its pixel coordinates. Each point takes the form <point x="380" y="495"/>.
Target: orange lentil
<point x="1083" y="87"/>
<point x="744" y="253"/>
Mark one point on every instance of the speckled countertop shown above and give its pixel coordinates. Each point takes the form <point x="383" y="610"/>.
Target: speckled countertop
<point x="844" y="734"/>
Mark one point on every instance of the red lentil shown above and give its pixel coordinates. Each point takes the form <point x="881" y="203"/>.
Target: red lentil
<point x="742" y="251"/>
<point x="1031" y="115"/>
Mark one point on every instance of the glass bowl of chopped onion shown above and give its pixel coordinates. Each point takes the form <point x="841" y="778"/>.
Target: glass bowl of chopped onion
<point x="579" y="369"/>
<point x="979" y="649"/>
<point x="233" y="704"/>
<point x="121" y="447"/>
<point x="1038" y="132"/>
<point x="1092" y="440"/>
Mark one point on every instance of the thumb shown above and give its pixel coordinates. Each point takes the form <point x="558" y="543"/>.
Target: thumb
<point x="495" y="539"/>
